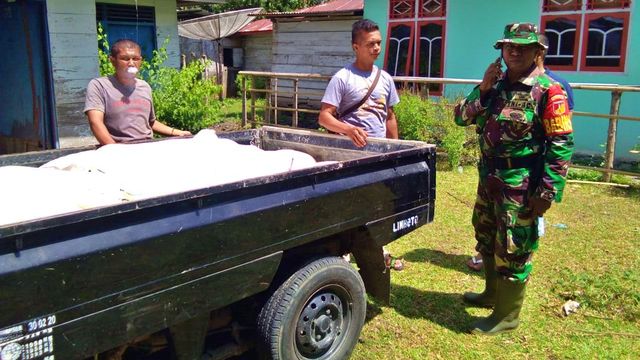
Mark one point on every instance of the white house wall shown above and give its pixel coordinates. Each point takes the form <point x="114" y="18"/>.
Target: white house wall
<point x="74" y="57"/>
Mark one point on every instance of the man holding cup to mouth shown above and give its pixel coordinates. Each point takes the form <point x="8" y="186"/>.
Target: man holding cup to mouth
<point x="120" y="106"/>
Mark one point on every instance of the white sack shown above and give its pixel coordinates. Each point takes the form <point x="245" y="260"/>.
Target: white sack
<point x="31" y="193"/>
<point x="120" y="172"/>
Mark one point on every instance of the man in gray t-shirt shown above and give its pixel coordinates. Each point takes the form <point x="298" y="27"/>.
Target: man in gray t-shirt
<point x="373" y="118"/>
<point x="348" y="86"/>
<point x="127" y="110"/>
<point x="120" y="107"/>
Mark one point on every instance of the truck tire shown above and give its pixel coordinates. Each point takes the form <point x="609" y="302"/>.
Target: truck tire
<point x="317" y="313"/>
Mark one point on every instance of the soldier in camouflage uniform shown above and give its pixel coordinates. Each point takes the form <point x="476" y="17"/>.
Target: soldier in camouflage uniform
<point x="526" y="140"/>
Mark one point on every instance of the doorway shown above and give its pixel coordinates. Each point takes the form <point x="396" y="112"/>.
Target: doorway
<point x="26" y="112"/>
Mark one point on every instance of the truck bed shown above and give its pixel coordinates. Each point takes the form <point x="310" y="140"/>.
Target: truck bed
<point x="130" y="269"/>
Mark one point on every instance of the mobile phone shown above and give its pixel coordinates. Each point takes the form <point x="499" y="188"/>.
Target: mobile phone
<point x="498" y="63"/>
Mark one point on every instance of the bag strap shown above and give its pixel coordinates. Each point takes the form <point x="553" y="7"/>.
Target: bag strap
<point x="364" y="99"/>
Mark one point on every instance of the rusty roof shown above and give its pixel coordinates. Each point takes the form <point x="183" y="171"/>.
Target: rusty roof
<point x="335" y="7"/>
<point x="194" y="2"/>
<point x="257" y="26"/>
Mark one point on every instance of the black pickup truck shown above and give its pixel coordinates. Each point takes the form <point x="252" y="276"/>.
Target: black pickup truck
<point x="249" y="267"/>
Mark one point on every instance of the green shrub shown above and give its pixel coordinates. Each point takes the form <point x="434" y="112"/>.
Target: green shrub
<point x="430" y="120"/>
<point x="252" y="82"/>
<point x="584" y="174"/>
<point x="151" y="69"/>
<point x="596" y="176"/>
<point x="184" y="99"/>
<point x="105" y="66"/>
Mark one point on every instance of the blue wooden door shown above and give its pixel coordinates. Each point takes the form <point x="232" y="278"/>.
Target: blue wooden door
<point x="26" y="102"/>
<point x="137" y="23"/>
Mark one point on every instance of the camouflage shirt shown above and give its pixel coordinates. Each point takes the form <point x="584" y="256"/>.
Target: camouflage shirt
<point x="528" y="117"/>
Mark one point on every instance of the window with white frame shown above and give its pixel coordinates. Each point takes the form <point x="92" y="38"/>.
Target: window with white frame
<point x="415" y="40"/>
<point x="586" y="35"/>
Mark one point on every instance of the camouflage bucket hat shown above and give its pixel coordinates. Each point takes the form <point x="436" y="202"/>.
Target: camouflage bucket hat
<point x="520" y="33"/>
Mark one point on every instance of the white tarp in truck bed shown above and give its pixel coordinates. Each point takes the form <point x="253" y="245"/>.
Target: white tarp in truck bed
<point x="124" y="172"/>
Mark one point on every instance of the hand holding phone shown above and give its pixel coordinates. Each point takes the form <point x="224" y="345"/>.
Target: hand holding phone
<point x="491" y="75"/>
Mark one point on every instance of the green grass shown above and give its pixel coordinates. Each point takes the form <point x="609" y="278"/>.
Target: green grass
<point x="592" y="175"/>
<point x="231" y="110"/>
<point x="594" y="261"/>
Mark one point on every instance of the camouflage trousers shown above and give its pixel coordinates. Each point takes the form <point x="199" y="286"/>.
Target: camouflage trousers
<point x="503" y="222"/>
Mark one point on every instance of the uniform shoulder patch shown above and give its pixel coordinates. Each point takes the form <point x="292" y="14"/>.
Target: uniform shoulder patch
<point x="544" y="81"/>
<point x="556" y="119"/>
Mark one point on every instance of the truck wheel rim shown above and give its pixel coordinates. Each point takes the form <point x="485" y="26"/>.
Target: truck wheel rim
<point x="322" y="323"/>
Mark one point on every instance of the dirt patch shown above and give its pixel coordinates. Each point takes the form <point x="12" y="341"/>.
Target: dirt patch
<point x="227" y="126"/>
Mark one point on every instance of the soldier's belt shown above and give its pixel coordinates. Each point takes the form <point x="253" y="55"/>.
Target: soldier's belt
<point x="506" y="163"/>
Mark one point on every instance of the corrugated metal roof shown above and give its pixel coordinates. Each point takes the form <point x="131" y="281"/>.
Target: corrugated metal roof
<point x="336" y="5"/>
<point x="216" y="26"/>
<point x="329" y="8"/>
<point x="192" y="2"/>
<point x="262" y="25"/>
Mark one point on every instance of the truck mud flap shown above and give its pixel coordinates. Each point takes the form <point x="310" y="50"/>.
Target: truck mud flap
<point x="374" y="273"/>
<point x="188" y="337"/>
<point x="367" y="247"/>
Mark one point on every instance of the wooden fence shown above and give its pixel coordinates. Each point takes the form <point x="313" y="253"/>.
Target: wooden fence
<point x="272" y="95"/>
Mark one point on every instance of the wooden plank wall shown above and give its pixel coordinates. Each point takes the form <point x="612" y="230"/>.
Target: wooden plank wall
<point x="74" y="58"/>
<point x="317" y="47"/>
<point x="74" y="61"/>
<point x="257" y="52"/>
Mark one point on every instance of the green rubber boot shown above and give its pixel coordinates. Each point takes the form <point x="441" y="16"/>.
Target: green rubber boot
<point x="487" y="298"/>
<point x="510" y="296"/>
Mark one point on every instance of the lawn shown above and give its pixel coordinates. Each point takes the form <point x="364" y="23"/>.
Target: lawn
<point x="231" y="115"/>
<point x="231" y="110"/>
<point x="588" y="254"/>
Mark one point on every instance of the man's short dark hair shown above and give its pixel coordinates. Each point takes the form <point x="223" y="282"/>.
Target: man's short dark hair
<point x="364" y="25"/>
<point x="123" y="43"/>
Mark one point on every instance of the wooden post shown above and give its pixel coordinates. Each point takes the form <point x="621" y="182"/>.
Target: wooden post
<point x="275" y="100"/>
<point x="253" y="102"/>
<point x="244" y="101"/>
<point x="611" y="135"/>
<point x="219" y="63"/>
<point x="203" y="61"/>
<point x="183" y="60"/>
<point x="253" y="108"/>
<point x="267" y="103"/>
<point x="224" y="82"/>
<point x="295" y="103"/>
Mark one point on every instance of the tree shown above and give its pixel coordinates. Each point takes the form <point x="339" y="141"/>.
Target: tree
<point x="268" y="5"/>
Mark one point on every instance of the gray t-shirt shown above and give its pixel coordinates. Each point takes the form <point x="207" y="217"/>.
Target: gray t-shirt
<point x="349" y="85"/>
<point x="128" y="111"/>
